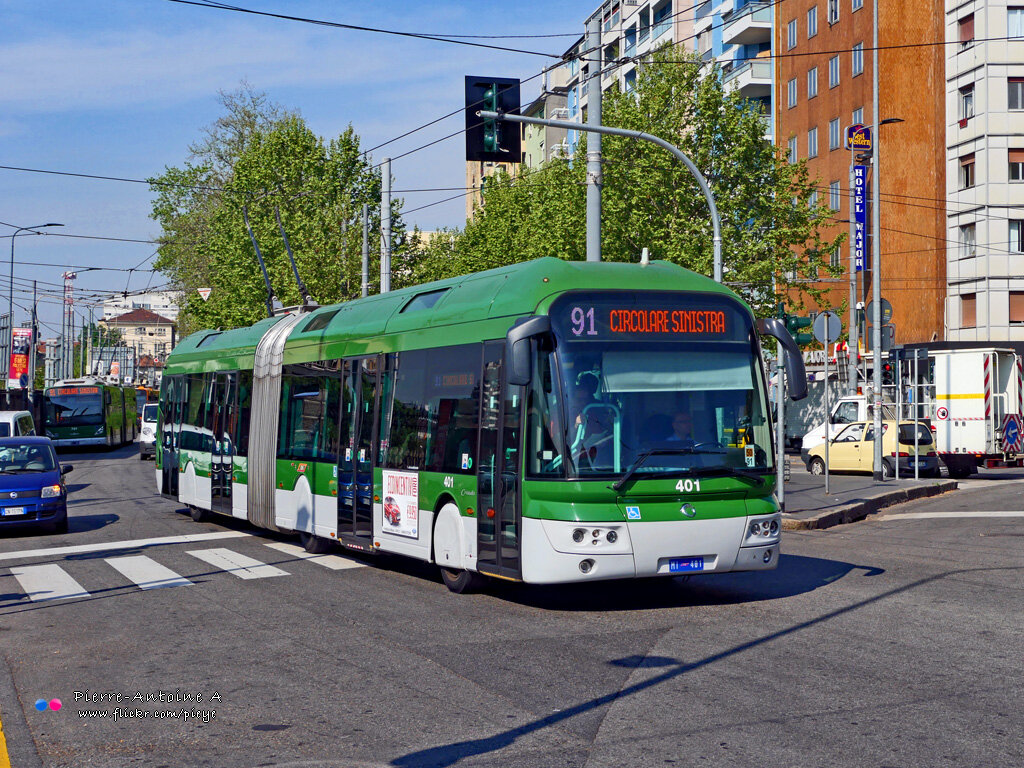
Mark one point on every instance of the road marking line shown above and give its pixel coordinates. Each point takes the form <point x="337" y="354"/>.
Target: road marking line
<point x="147" y="573"/>
<point x="936" y="515"/>
<point x="334" y="562"/>
<point x="240" y="565"/>
<point x="47" y="582"/>
<point x="134" y="544"/>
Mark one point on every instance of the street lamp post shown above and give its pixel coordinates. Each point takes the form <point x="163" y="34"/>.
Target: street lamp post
<point x="10" y="287"/>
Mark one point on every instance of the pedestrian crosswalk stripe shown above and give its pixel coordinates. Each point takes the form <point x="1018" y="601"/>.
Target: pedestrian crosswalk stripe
<point x="334" y="562"/>
<point x="113" y="546"/>
<point x="239" y="565"/>
<point x="47" y="582"/>
<point x="951" y="515"/>
<point x="147" y="573"/>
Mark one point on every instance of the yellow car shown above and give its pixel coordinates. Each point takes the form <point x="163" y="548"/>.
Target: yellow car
<point x="853" y="450"/>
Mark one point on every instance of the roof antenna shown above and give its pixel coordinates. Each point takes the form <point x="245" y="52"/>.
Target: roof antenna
<point x="645" y="257"/>
<point x="308" y="303"/>
<point x="259" y="258"/>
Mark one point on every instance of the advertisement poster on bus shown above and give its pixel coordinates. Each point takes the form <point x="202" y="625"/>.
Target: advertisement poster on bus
<point x="401" y="503"/>
<point x="21" y="346"/>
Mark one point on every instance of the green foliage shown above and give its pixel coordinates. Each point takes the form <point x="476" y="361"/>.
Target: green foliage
<point x="771" y="233"/>
<point x="265" y="158"/>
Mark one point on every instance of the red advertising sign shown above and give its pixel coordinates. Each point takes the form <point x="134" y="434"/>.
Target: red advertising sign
<point x="21" y="346"/>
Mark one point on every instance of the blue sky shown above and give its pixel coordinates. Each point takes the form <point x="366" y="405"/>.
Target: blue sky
<point x="122" y="87"/>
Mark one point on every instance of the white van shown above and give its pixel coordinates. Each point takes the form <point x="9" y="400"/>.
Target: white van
<point x="16" y="424"/>
<point x="147" y="434"/>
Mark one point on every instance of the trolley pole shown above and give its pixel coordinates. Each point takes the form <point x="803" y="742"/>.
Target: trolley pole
<point x="385" y="225"/>
<point x="594" y="176"/>
<point x="716" y="222"/>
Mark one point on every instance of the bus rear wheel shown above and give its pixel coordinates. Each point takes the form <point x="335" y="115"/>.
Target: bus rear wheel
<point x="198" y="514"/>
<point x="461" y="581"/>
<point x="315" y="545"/>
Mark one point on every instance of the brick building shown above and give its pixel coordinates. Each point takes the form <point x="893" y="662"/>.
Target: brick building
<point x="823" y="76"/>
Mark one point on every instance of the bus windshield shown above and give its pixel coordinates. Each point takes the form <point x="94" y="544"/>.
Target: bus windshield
<point x="74" y="409"/>
<point x="637" y="396"/>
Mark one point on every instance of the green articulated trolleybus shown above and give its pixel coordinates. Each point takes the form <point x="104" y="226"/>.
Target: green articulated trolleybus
<point x="89" y="411"/>
<point x="518" y="423"/>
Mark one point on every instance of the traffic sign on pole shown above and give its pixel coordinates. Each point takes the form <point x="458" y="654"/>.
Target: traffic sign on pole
<point x="827" y="327"/>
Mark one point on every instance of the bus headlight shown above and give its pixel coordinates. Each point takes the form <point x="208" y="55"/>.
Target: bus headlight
<point x="99" y="430"/>
<point x="761" y="531"/>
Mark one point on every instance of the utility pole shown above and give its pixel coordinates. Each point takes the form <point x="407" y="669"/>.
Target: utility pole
<point x="33" y="348"/>
<point x="366" y="251"/>
<point x="853" y="351"/>
<point x="594" y="178"/>
<point x="876" y="266"/>
<point x="385" y="225"/>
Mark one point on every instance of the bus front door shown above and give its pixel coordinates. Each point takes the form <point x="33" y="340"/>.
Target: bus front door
<point x="222" y="457"/>
<point x="356" y="459"/>
<point x="498" y="515"/>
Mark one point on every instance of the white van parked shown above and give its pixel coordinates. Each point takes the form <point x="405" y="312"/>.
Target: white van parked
<point x="16" y="424"/>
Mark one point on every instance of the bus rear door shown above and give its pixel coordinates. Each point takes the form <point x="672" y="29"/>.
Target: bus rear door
<point x="498" y="514"/>
<point x="222" y="458"/>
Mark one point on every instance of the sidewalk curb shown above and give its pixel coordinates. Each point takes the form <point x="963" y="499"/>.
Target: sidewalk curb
<point x="859" y="509"/>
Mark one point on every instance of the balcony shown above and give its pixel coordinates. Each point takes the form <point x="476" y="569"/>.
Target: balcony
<point x="753" y="24"/>
<point x="753" y="79"/>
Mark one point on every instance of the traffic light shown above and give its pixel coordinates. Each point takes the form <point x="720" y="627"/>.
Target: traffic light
<point x="488" y="139"/>
<point x="794" y="323"/>
<point x="888" y="369"/>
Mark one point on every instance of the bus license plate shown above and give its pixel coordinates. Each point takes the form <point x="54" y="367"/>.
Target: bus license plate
<point x="12" y="511"/>
<point x="683" y="564"/>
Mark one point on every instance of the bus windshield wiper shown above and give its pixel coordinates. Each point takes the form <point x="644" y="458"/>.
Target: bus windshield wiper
<point x="681" y="451"/>
<point x="722" y="469"/>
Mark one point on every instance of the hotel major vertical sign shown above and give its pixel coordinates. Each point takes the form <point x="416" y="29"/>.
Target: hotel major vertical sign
<point x="860" y="215"/>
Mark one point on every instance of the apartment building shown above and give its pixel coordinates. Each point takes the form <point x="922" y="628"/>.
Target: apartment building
<point x="163" y="303"/>
<point x="823" y="69"/>
<point x="984" y="124"/>
<point x="147" y="332"/>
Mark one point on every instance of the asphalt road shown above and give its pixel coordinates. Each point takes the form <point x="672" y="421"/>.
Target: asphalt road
<point x="896" y="641"/>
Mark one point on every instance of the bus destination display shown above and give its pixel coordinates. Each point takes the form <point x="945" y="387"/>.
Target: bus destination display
<point x="644" y="316"/>
<point x="72" y="391"/>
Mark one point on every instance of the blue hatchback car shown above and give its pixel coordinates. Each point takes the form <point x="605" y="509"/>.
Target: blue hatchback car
<point x="32" y="489"/>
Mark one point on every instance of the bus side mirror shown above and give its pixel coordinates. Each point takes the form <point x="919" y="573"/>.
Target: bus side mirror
<point x="796" y="374"/>
<point x="518" y="360"/>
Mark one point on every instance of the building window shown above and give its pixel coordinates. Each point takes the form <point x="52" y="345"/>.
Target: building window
<point x="812" y="22"/>
<point x="140" y="331"/>
<point x="1015" y="22"/>
<point x="1016" y="157"/>
<point x="968" y="310"/>
<point x="791" y="88"/>
<point x="858" y="116"/>
<point x="833" y="196"/>
<point x="792" y="150"/>
<point x="967" y="102"/>
<point x="812" y="199"/>
<point x="967" y="242"/>
<point x="1016" y="241"/>
<point x="1015" y="93"/>
<point x="858" y="59"/>
<point x="966" y="30"/>
<point x="812" y="142"/>
<point x="645" y="23"/>
<point x="812" y="82"/>
<point x="858" y="4"/>
<point x="834" y="138"/>
<point x="791" y="35"/>
<point x="833" y="11"/>
<point x="833" y="72"/>
<point x="967" y="171"/>
<point x="1017" y="307"/>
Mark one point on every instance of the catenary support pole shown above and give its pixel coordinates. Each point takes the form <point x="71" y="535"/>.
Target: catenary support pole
<point x="594" y="177"/>
<point x="716" y="222"/>
<point x="365" y="281"/>
<point x="385" y="225"/>
<point x="780" y="426"/>
<point x="876" y="266"/>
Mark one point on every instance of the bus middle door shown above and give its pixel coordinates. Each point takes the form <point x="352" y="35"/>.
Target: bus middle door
<point x="356" y="458"/>
<point x="222" y="458"/>
<point x="498" y="514"/>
